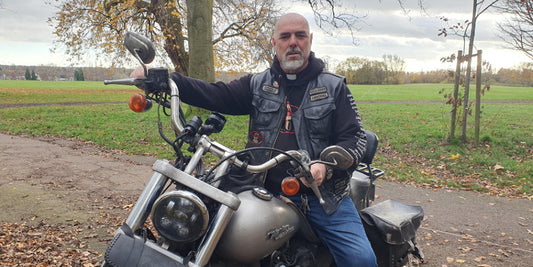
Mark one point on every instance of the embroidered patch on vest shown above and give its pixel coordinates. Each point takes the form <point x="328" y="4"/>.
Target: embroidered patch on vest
<point x="318" y="90"/>
<point x="318" y="93"/>
<point x="319" y="96"/>
<point x="256" y="138"/>
<point x="270" y="89"/>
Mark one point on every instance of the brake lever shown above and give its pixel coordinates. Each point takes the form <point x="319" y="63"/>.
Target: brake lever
<point x="312" y="184"/>
<point x="309" y="176"/>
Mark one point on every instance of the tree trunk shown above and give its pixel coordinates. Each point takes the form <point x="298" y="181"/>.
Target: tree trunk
<point x="478" y="98"/>
<point x="469" y="70"/>
<point x="455" y="100"/>
<point x="200" y="29"/>
<point x="172" y="29"/>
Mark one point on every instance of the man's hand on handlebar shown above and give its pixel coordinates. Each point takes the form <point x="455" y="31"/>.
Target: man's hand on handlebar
<point x="318" y="170"/>
<point x="138" y="73"/>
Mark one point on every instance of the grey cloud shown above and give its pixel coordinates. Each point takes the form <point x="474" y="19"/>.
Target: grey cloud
<point x="25" y="21"/>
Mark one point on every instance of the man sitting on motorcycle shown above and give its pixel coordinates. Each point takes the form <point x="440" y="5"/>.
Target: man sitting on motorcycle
<point x="296" y="104"/>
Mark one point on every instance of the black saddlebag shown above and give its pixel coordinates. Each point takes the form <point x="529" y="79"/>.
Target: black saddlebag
<point x="391" y="228"/>
<point x="130" y="250"/>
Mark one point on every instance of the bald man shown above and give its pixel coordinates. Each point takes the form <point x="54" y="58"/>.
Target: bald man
<point x="296" y="104"/>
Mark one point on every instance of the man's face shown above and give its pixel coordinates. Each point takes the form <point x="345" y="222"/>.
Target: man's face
<point x="292" y="43"/>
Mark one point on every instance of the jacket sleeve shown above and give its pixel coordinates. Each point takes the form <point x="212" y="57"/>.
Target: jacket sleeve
<point x="233" y="98"/>
<point x="348" y="128"/>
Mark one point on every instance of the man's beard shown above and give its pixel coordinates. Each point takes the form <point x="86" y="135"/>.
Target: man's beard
<point x="291" y="65"/>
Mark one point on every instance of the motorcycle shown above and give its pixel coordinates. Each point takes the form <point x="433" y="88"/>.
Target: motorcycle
<point x="198" y="222"/>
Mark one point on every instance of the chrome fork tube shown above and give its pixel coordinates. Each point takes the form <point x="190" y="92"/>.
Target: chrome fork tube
<point x="221" y="220"/>
<point x="194" y="160"/>
<point x="143" y="206"/>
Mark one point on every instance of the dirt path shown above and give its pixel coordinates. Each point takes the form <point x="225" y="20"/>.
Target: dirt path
<point x="66" y="187"/>
<point x="71" y="196"/>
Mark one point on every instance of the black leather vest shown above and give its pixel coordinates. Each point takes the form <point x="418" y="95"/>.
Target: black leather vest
<point x="313" y="124"/>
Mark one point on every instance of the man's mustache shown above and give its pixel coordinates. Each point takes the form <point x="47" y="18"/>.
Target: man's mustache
<point x="294" y="50"/>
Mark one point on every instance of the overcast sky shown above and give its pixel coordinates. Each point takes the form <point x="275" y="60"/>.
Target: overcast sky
<point x="26" y="38"/>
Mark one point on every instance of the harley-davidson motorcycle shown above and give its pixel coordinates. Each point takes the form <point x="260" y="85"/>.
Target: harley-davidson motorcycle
<point x="199" y="222"/>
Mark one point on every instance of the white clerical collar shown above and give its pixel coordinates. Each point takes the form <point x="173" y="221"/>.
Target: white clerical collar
<point x="291" y="77"/>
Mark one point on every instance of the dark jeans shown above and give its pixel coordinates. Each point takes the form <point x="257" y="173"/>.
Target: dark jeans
<point x="342" y="232"/>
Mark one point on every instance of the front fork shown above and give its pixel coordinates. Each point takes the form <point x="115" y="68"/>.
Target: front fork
<point x="143" y="206"/>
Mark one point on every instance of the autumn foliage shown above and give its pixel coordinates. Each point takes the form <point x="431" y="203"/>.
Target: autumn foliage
<point x="240" y="30"/>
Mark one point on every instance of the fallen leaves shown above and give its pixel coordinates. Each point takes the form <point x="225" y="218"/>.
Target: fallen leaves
<point x="498" y="168"/>
<point x="439" y="174"/>
<point x="454" y="157"/>
<point x="480" y="259"/>
<point x="43" y="245"/>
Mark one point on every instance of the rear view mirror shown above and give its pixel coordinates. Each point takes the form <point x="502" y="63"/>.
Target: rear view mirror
<point x="338" y="155"/>
<point x="140" y="46"/>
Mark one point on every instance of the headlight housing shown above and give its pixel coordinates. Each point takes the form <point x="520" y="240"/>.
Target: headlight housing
<point x="180" y="216"/>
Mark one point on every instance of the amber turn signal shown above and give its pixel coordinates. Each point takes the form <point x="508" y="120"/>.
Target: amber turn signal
<point x="139" y="103"/>
<point x="290" y="186"/>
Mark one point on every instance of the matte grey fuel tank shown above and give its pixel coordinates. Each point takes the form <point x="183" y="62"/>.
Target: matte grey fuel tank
<point x="261" y="224"/>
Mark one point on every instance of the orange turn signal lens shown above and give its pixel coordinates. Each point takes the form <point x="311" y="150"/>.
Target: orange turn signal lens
<point x="139" y="103"/>
<point x="290" y="186"/>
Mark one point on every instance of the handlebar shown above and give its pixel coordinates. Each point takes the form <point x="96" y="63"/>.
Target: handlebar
<point x="174" y="97"/>
<point x="205" y="144"/>
<point x="299" y="155"/>
<point x="175" y="106"/>
<point x="129" y="81"/>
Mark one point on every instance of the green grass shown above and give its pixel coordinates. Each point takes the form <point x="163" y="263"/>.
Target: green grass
<point x="420" y="131"/>
<point x="413" y="137"/>
<point x="44" y="85"/>
<point x="22" y="92"/>
<point x="431" y="92"/>
<point x="113" y="126"/>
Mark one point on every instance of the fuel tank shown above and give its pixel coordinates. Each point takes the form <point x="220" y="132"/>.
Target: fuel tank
<point x="262" y="224"/>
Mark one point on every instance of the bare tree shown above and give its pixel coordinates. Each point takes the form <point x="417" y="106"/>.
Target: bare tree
<point x="467" y="31"/>
<point x="517" y="30"/>
<point x="240" y="30"/>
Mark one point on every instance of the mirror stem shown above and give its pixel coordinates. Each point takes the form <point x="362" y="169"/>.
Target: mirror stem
<point x="140" y="61"/>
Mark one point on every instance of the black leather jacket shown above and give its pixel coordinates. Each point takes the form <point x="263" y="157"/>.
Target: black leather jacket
<point x="313" y="124"/>
<point x="326" y="116"/>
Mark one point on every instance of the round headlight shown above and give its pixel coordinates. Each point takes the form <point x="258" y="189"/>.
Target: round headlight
<point x="180" y="216"/>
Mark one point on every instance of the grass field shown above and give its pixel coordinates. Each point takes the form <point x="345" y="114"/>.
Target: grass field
<point x="21" y="92"/>
<point x="413" y="143"/>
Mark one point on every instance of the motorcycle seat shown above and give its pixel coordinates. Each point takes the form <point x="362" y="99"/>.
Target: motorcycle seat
<point x="371" y="147"/>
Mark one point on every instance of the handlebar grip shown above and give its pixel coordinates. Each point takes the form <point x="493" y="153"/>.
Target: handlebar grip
<point x="129" y="81"/>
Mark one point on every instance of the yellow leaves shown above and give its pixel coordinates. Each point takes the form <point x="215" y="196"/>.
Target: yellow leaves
<point x="454" y="157"/>
<point x="175" y="13"/>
